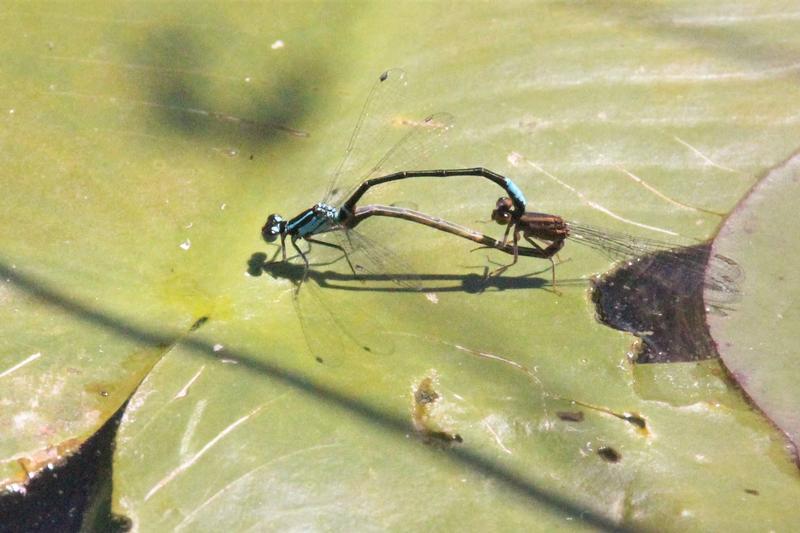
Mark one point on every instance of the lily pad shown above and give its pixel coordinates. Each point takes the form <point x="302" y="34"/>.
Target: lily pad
<point x="757" y="338"/>
<point x="144" y="147"/>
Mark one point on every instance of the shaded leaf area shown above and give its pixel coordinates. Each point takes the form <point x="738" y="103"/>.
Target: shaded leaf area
<point x="758" y="340"/>
<point x="74" y="495"/>
<point x="659" y="298"/>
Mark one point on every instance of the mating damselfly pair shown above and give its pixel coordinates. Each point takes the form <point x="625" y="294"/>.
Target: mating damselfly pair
<point x="338" y="213"/>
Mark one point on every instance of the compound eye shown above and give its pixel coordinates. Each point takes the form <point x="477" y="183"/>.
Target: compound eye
<point x="501" y="216"/>
<point x="504" y="203"/>
<point x="272" y="228"/>
<point x="267" y="234"/>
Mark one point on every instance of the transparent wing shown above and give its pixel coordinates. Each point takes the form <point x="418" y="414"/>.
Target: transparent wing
<point x="367" y="260"/>
<point x="423" y="140"/>
<point x="373" y="126"/>
<point x="327" y="320"/>
<point x="374" y="262"/>
<point x="322" y="333"/>
<point x="719" y="275"/>
<point x="412" y="142"/>
<point x="332" y="330"/>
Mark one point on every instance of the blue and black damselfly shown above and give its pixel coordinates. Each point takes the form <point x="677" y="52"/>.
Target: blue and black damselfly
<point x="334" y="214"/>
<point x="333" y="217"/>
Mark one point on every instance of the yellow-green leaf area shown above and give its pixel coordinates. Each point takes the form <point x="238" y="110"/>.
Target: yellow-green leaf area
<point x="143" y="146"/>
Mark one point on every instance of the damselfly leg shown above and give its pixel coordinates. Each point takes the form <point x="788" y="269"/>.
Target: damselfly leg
<point x="550" y="229"/>
<point x="362" y="213"/>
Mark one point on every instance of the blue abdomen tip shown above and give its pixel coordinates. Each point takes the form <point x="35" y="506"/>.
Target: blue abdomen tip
<point x="516" y="193"/>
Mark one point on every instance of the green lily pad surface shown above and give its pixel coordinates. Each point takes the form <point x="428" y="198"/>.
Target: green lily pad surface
<point x="757" y="338"/>
<point x="144" y="145"/>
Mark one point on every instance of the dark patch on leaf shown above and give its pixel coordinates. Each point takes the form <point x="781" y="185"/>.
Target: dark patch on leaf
<point x="198" y="323"/>
<point x="570" y="416"/>
<point x="659" y="298"/>
<point x="425" y="396"/>
<point x="609" y="454"/>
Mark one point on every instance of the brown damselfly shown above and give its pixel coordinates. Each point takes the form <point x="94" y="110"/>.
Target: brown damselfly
<point x="547" y="234"/>
<point x="714" y="272"/>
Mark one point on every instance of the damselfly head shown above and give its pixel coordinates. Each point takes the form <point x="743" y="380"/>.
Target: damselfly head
<point x="274" y="226"/>
<point x="502" y="211"/>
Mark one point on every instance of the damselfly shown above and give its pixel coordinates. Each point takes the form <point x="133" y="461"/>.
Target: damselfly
<point x="324" y="217"/>
<point x="359" y="214"/>
<point x="334" y="212"/>
<point x="415" y="143"/>
<point x="719" y="275"/>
